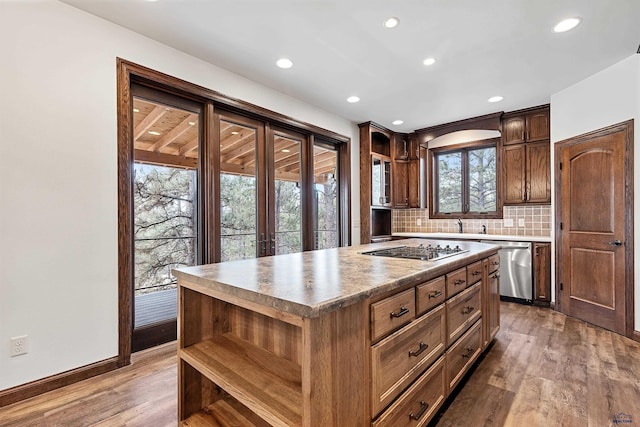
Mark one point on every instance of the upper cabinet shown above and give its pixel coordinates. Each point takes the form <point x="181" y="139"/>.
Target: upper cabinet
<point x="529" y="126"/>
<point x="406" y="169"/>
<point x="526" y="165"/>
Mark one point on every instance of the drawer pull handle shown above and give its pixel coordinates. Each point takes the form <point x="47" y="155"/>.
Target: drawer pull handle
<point x="475" y="273"/>
<point x="435" y="294"/>
<point x="459" y="282"/>
<point x="423" y="408"/>
<point x="402" y="312"/>
<point x="421" y="347"/>
<point x="468" y="309"/>
<point x="468" y="353"/>
<point x="496" y="263"/>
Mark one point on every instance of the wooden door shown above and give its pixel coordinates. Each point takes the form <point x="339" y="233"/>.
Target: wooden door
<point x="595" y="230"/>
<point x="513" y="161"/>
<point x="538" y="158"/>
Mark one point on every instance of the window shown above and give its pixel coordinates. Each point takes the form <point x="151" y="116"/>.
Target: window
<point x="464" y="181"/>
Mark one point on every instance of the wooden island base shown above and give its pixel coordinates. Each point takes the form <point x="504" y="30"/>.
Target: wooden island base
<point x="389" y="359"/>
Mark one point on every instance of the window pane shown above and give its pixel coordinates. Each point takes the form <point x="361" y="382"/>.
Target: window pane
<point x="450" y="183"/>
<point x="238" y="216"/>
<point x="288" y="214"/>
<point x="325" y="175"/>
<point x="482" y="180"/>
<point x="164" y="232"/>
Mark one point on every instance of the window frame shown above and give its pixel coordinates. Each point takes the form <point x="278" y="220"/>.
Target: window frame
<point x="434" y="180"/>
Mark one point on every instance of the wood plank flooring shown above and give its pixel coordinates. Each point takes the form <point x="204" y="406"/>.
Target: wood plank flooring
<point x="544" y="369"/>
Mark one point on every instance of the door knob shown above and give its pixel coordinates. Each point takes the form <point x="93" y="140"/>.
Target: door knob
<point x="615" y="243"/>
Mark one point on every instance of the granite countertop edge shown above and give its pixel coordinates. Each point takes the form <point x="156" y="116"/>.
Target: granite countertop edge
<point x="304" y="310"/>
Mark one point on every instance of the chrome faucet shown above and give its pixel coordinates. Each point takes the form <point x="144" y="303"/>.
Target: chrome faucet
<point x="484" y="229"/>
<point x="459" y="225"/>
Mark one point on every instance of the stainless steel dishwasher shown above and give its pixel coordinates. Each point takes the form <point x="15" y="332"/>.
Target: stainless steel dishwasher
<point x="515" y="270"/>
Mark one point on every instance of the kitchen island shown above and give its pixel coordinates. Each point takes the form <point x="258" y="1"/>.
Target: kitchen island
<point x="332" y="337"/>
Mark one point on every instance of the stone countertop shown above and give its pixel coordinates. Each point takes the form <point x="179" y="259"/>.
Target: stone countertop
<point x="312" y="283"/>
<point x="474" y="236"/>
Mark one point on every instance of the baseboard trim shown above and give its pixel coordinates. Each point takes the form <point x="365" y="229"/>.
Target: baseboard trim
<point x="635" y="336"/>
<point x="35" y="388"/>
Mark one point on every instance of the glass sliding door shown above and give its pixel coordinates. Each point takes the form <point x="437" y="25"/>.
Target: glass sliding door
<point x="239" y="187"/>
<point x="325" y="197"/>
<point x="165" y="209"/>
<point x="286" y="226"/>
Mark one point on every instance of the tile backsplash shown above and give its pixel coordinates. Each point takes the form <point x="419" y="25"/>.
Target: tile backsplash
<point x="537" y="222"/>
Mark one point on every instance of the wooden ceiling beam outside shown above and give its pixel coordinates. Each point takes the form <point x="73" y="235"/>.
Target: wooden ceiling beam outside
<point x="164" y="159"/>
<point x="240" y="151"/>
<point x="191" y="145"/>
<point x="234" y="169"/>
<point x="175" y="133"/>
<point x="148" y="121"/>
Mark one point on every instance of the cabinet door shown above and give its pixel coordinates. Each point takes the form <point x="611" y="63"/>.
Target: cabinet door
<point x="380" y="181"/>
<point x="537" y="125"/>
<point x="542" y="273"/>
<point x="538" y="156"/>
<point x="401" y="184"/>
<point x="414" y="183"/>
<point x="513" y="130"/>
<point x="400" y="147"/>
<point x="513" y="160"/>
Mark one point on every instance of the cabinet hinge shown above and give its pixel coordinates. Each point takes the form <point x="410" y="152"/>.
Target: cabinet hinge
<point x="560" y="226"/>
<point x="561" y="286"/>
<point x="560" y="165"/>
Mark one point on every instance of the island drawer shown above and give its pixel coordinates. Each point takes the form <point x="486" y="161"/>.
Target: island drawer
<point x="430" y="294"/>
<point x="474" y="273"/>
<point x="420" y="402"/>
<point x="494" y="263"/>
<point x="400" y="358"/>
<point x="462" y="311"/>
<point x="391" y="313"/>
<point x="462" y="354"/>
<point x="456" y="281"/>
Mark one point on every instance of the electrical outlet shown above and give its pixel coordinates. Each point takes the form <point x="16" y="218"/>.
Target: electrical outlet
<point x="508" y="222"/>
<point x="19" y="345"/>
<point x="520" y="222"/>
<point x="419" y="221"/>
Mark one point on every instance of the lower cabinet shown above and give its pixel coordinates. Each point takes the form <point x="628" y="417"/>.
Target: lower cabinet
<point x="542" y="274"/>
<point x="418" y="363"/>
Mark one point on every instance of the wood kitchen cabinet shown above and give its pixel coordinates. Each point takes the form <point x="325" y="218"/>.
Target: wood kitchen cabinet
<point x="526" y="157"/>
<point x="376" y="181"/>
<point x="406" y="170"/>
<point x="542" y="274"/>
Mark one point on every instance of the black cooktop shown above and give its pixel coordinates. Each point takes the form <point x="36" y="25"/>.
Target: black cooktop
<point x="422" y="252"/>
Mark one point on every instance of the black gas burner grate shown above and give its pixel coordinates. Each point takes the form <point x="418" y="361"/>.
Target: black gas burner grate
<point x="422" y="252"/>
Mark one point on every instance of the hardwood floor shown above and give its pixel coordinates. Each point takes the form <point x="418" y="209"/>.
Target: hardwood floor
<point x="544" y="369"/>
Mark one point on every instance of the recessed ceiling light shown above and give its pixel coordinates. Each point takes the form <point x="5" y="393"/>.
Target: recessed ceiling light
<point x="566" y="25"/>
<point x="284" y="63"/>
<point x="397" y="122"/>
<point x="429" y="61"/>
<point x="284" y="150"/>
<point x="353" y="99"/>
<point x="495" y="99"/>
<point x="135" y="110"/>
<point x="153" y="132"/>
<point x="391" y="22"/>
<point x="192" y="123"/>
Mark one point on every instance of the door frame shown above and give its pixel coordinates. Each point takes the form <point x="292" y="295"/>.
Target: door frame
<point x="627" y="128"/>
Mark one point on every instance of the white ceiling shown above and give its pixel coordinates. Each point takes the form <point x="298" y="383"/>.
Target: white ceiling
<point x="340" y="48"/>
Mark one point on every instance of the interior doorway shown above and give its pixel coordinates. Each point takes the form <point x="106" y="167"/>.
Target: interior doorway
<point x="594" y="229"/>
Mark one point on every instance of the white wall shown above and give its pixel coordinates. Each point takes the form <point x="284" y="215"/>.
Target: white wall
<point x="58" y="181"/>
<point x="608" y="97"/>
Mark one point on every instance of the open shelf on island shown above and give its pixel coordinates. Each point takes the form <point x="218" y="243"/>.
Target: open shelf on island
<point x="225" y="413"/>
<point x="267" y="384"/>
